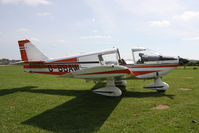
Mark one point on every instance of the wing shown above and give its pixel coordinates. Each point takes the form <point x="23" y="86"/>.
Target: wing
<point x="100" y="72"/>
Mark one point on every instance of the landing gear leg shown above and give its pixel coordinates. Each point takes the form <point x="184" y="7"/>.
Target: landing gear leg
<point x="109" y="90"/>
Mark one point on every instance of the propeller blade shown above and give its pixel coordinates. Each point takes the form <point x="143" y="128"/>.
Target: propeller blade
<point x="183" y="61"/>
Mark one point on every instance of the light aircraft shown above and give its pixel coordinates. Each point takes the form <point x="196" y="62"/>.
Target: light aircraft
<point x="104" y="65"/>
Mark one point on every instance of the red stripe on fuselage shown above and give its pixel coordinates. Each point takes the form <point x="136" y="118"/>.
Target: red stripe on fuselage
<point x="38" y="66"/>
<point x="154" y="66"/>
<point x="52" y="66"/>
<point x="137" y="73"/>
<point x="34" y="61"/>
<point x="52" y="73"/>
<point x="109" y="72"/>
<point x="66" y="60"/>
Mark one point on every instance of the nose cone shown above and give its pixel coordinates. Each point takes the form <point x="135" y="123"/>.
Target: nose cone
<point x="183" y="61"/>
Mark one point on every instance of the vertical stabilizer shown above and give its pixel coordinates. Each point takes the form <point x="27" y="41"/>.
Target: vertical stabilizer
<point x="29" y="52"/>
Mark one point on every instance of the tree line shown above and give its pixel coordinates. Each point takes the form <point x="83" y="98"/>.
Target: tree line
<point x="193" y="63"/>
<point x="5" y="61"/>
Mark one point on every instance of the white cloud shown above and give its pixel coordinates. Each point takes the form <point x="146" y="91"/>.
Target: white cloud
<point x="164" y="23"/>
<point x="150" y="6"/>
<point x="61" y="41"/>
<point x="103" y="12"/>
<point x="96" y="37"/>
<point x="34" y="39"/>
<point x="37" y="2"/>
<point x="44" y="14"/>
<point x="28" y="2"/>
<point x="95" y="31"/>
<point x="23" y="30"/>
<point x="57" y="43"/>
<point x="9" y="1"/>
<point x="54" y="45"/>
<point x="191" y="38"/>
<point x="93" y="20"/>
<point x="188" y="15"/>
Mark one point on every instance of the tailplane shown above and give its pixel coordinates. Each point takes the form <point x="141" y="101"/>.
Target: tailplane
<point x="29" y="52"/>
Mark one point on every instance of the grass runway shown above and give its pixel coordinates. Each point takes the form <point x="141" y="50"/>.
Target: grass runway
<point x="32" y="103"/>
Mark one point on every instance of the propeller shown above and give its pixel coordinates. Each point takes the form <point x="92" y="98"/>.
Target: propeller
<point x="182" y="61"/>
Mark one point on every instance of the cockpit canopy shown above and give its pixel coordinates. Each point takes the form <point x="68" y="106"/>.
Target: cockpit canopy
<point x="147" y="56"/>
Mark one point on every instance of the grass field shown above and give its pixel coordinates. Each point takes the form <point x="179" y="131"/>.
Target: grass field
<point x="39" y="103"/>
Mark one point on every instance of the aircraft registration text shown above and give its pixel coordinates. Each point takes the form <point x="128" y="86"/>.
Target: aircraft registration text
<point x="64" y="68"/>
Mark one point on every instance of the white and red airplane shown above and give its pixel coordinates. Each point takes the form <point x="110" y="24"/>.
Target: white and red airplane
<point x="99" y="66"/>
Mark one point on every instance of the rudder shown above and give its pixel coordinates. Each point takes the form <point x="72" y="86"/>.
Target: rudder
<point x="22" y="49"/>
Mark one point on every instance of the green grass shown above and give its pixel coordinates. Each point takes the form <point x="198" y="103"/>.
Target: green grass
<point x="40" y="103"/>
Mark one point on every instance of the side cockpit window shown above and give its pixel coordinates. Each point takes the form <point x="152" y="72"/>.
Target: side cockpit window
<point x="145" y="59"/>
<point x="110" y="57"/>
<point x="101" y="60"/>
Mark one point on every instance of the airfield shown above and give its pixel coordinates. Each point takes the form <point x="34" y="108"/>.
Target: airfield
<point x="41" y="103"/>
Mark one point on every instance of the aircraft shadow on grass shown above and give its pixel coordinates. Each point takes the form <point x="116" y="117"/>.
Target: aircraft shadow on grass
<point x="85" y="113"/>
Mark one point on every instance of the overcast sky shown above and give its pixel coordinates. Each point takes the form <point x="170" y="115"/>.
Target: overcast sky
<point x="66" y="27"/>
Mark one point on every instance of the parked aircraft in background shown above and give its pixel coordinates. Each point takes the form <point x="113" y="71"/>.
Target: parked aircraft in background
<point x="104" y="65"/>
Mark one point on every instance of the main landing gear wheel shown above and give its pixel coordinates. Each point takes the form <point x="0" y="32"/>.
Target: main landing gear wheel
<point x="161" y="91"/>
<point x="121" y="84"/>
<point x="158" y="85"/>
<point x="109" y="90"/>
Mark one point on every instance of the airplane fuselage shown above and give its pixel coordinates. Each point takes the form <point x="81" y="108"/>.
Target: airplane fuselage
<point x="98" y="66"/>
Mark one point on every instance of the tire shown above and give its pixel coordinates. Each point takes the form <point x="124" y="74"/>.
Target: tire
<point x="161" y="91"/>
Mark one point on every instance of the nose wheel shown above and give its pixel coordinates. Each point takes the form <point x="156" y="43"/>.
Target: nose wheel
<point x="158" y="85"/>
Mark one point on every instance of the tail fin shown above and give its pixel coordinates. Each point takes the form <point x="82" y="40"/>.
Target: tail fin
<point x="29" y="52"/>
